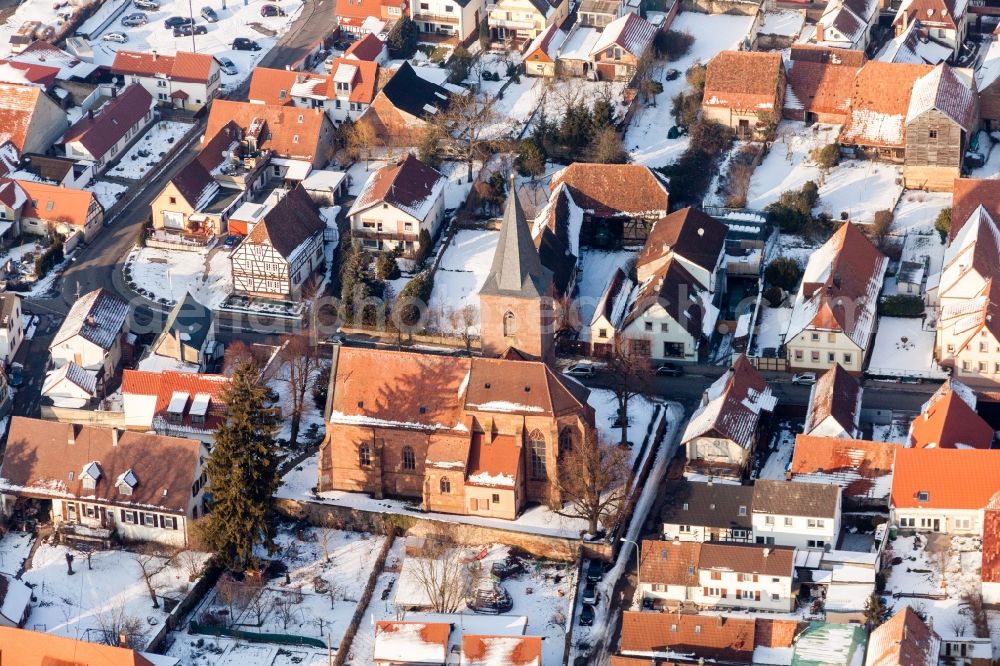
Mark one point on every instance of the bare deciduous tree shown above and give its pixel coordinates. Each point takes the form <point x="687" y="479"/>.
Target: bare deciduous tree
<point x="117" y="628"/>
<point x="442" y="574"/>
<point x="362" y="140"/>
<point x="464" y="321"/>
<point x="630" y="373"/>
<point x="939" y="550"/>
<point x="190" y="561"/>
<point x="284" y="607"/>
<point x="150" y="563"/>
<point x="593" y="478"/>
<point x="973" y="601"/>
<point x="301" y="364"/>
<point x="472" y="121"/>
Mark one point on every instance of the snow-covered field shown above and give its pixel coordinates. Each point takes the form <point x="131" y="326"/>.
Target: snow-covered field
<point x="169" y="274"/>
<point x="147" y="152"/>
<point x="107" y="193"/>
<point x="646" y="138"/>
<point x="904" y="348"/>
<point x="462" y="272"/>
<point x="916" y="211"/>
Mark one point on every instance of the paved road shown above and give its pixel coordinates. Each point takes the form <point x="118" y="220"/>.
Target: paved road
<point x="316" y="22"/>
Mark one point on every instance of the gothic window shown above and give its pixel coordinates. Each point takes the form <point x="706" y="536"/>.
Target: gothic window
<point x="536" y="443"/>
<point x="364" y="455"/>
<point x="409" y="459"/>
<point x="509" y="324"/>
<point x="445" y="485"/>
<point x="566" y="440"/>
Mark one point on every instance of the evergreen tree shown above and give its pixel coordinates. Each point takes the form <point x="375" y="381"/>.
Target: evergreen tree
<point x="402" y="39"/>
<point x="242" y="474"/>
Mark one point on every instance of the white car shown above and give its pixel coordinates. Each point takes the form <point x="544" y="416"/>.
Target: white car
<point x="227" y="66"/>
<point x="804" y="378"/>
<point x="118" y="37"/>
<point x="581" y="369"/>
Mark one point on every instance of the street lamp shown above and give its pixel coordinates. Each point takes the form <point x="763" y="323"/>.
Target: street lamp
<point x="638" y="567"/>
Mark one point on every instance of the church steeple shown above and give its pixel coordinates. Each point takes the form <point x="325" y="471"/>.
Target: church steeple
<point x="516" y="269"/>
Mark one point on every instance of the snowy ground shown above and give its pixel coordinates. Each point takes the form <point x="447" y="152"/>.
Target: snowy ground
<point x="169" y="274"/>
<point x="598" y="267"/>
<point x="541" y="596"/>
<point x="904" y="347"/>
<point x="312" y="415"/>
<point x="896" y="432"/>
<point x="456" y="191"/>
<point x="39" y="288"/>
<point x="75" y="606"/>
<point x="147" y="152"/>
<point x="916" y="211"/>
<point x="646" y="138"/>
<point x="14" y="549"/>
<point x="779" y="454"/>
<point x="772" y="325"/>
<point x="107" y="193"/>
<point x="519" y="101"/>
<point x="461" y="274"/>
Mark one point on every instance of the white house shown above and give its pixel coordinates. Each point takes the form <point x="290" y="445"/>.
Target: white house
<point x="802" y="515"/>
<point x="70" y="386"/>
<point x="345" y="93"/>
<point x="103" y="136"/>
<point x="418" y="643"/>
<point x="184" y="80"/>
<point x="452" y="18"/>
<point x="175" y="404"/>
<point x="847" y="24"/>
<point x="11" y="326"/>
<point x="668" y="571"/>
<point x="397" y="203"/>
<point x="141" y="486"/>
<point x="92" y="334"/>
<point x="834" y="405"/>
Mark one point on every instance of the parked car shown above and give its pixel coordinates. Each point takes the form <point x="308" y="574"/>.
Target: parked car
<point x="672" y="74"/>
<point x="148" y="5"/>
<point x="328" y="63"/>
<point x="209" y="14"/>
<point x="271" y="10"/>
<point x="188" y="30"/>
<point x="595" y="571"/>
<point x="804" y="378"/>
<point x="177" y="21"/>
<point x="590" y="594"/>
<point x="245" y="44"/>
<point x="134" y="20"/>
<point x="117" y="37"/>
<point x="670" y="370"/>
<point x="16" y="376"/>
<point x="581" y="369"/>
<point x="342" y="45"/>
<point x="228" y="67"/>
<point x="586" y="615"/>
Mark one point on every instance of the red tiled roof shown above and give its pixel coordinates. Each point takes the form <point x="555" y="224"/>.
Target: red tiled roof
<point x="291" y="132"/>
<point x="98" y="133"/>
<point x="934" y="13"/>
<point x="165" y="384"/>
<point x="30" y="72"/>
<point x="820" y="87"/>
<point x="880" y="99"/>
<point x="613" y="189"/>
<point x="494" y="463"/>
<point x="670" y="562"/>
<point x="57" y="204"/>
<point x="853" y="464"/>
<point x="508" y="650"/>
<point x="747" y="558"/>
<point x="744" y="80"/>
<point x="183" y="66"/>
<point x="34" y="648"/>
<point x="280" y="86"/>
<point x="904" y="640"/>
<point x="354" y="12"/>
<point x="404" y="634"/>
<point x="837" y="394"/>
<point x="709" y="637"/>
<point x="826" y="54"/>
<point x="970" y="193"/>
<point x="17" y="108"/>
<point x="948" y="422"/>
<point x="368" y="48"/>
<point x="952" y="478"/>
<point x="990" y="572"/>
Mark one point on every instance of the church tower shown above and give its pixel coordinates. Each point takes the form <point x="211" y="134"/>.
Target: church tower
<point x="515" y="303"/>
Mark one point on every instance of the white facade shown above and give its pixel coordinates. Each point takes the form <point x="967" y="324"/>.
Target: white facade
<point x="261" y="270"/>
<point x="668" y="340"/>
<point x="384" y="226"/>
<point x="731" y="589"/>
<point x="703" y="533"/>
<point x="183" y="94"/>
<point x="447" y="17"/>
<point x="799" y="531"/>
<point x="12" y="335"/>
<point x="948" y="521"/>
<point x="76" y="150"/>
<point x="87" y="355"/>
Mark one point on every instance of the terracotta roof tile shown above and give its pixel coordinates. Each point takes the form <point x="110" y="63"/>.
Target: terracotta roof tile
<point x="164" y="385"/>
<point x="614" y="189"/>
<point x="395" y="640"/>
<point x="112" y="121"/>
<point x="747" y="558"/>
<point x="286" y="135"/>
<point x="183" y="66"/>
<point x="33" y="648"/>
<point x="744" y="80"/>
<point x="494" y="462"/>
<point x="822" y="88"/>
<point x="904" y="640"/>
<point x="688" y="233"/>
<point x="826" y="54"/>
<point x="952" y="478"/>
<point x="836" y="394"/>
<point x="948" y="422"/>
<point x="776" y="633"/>
<point x="670" y="562"/>
<point x="855" y="465"/>
<point x="30" y="72"/>
<point x="709" y="637"/>
<point x="970" y="193"/>
<point x="18" y="104"/>
<point x="880" y="99"/>
<point x="508" y="650"/>
<point x="367" y="48"/>
<point x="57" y="204"/>
<point x="280" y="86"/>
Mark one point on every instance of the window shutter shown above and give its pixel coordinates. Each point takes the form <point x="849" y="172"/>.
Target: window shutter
<point x="704" y="591"/>
<point x="123" y="515"/>
<point x="724" y="595"/>
<point x="756" y="595"/>
<point x="163" y="522"/>
<point x="755" y="578"/>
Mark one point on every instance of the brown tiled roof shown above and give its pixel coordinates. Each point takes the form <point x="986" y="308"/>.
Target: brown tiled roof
<point x="970" y="193"/>
<point x="736" y="409"/>
<point x="275" y="86"/>
<point x="363" y="85"/>
<point x="880" y="99"/>
<point x="40" y="461"/>
<point x="508" y="650"/>
<point x="947" y="422"/>
<point x="112" y="121"/>
<point x="837" y="394"/>
<point x="747" y="558"/>
<point x="904" y="640"/>
<point x="193" y="181"/>
<point x="17" y="108"/>
<point x="670" y="562"/>
<point x="795" y="499"/>
<point x="952" y="478"/>
<point x="854" y="464"/>
<point x="495" y="459"/>
<point x="368" y="47"/>
<point x="697" y="503"/>
<point x="286" y="135"/>
<point x="164" y="384"/>
<point x="990" y="572"/>
<point x="529" y="384"/>
<point x="57" y="204"/>
<point x="673" y="288"/>
<point x="613" y="189"/>
<point x="183" y="66"/>
<point x="708" y="637"/>
<point x="687" y="232"/>
<point x="744" y="80"/>
<point x="290" y="223"/>
<point x="408" y="185"/>
<point x="776" y="633"/>
<point x="35" y="648"/>
<point x="215" y="150"/>
<point x="820" y="87"/>
<point x="826" y="54"/>
<point x="448" y="450"/>
<point x="934" y="13"/>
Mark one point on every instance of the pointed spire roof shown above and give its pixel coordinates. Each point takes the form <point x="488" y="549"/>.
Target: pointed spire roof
<point x="517" y="268"/>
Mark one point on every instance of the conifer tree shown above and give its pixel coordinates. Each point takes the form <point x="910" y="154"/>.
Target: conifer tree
<point x="242" y="474"/>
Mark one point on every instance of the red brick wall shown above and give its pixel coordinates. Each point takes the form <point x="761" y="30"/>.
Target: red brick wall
<point x="533" y="332"/>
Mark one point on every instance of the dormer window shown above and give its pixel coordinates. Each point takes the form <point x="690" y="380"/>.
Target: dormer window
<point x="199" y="407"/>
<point x="90" y="475"/>
<point x="175" y="409"/>
<point x="923" y="496"/>
<point x="126" y="483"/>
<point x="743" y="510"/>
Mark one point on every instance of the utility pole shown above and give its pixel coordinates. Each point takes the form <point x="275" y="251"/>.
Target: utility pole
<point x="194" y="48"/>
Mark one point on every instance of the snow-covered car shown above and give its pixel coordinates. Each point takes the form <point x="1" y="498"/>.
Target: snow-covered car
<point x="16" y="376"/>
<point x="134" y="20"/>
<point x="271" y="10"/>
<point x="117" y="37"/>
<point x="227" y="66"/>
<point x="804" y="378"/>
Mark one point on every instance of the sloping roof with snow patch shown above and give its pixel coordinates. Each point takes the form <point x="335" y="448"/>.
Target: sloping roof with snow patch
<point x="941" y="89"/>
<point x="733" y="406"/>
<point x="408" y="185"/>
<point x="631" y="32"/>
<point x="97" y="317"/>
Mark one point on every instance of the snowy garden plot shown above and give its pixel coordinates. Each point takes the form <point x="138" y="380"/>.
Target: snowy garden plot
<point x="916" y="211"/>
<point x="148" y="151"/>
<point x="107" y="193"/>
<point x="169" y="274"/>
<point x="904" y="347"/>
<point x="461" y="274"/>
<point x="14" y="550"/>
<point x="779" y="453"/>
<point x="78" y="606"/>
<point x="597" y="269"/>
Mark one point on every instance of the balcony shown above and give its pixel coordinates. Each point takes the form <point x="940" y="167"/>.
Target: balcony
<point x="512" y="24"/>
<point x="421" y="16"/>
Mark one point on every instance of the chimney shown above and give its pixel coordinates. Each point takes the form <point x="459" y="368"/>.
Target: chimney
<point x="114" y="437"/>
<point x="122" y="640"/>
<point x="767" y="551"/>
<point x="155" y="56"/>
<point x="71" y="440"/>
<point x="90" y="113"/>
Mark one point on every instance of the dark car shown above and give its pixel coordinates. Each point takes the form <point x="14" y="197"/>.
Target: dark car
<point x="271" y="10"/>
<point x="670" y="370"/>
<point x="672" y="75"/>
<point x="188" y="30"/>
<point x="342" y="46"/>
<point x="231" y="242"/>
<point x="586" y="615"/>
<point x="16" y="376"/>
<point x="148" y="5"/>
<point x="595" y="571"/>
<point x="590" y="594"/>
<point x="209" y="14"/>
<point x="177" y="21"/>
<point x="245" y="44"/>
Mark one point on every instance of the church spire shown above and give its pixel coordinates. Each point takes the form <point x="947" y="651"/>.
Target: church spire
<point x="517" y="268"/>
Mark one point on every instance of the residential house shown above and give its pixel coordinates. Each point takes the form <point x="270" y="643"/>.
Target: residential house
<point x="912" y="46"/>
<point x="803" y="515"/>
<point x="713" y="638"/>
<point x="880" y="102"/>
<point x="745" y="576"/>
<point x="180" y="206"/>
<point x="623" y="44"/>
<point x="940" y="21"/>
<point x="481" y="650"/>
<point x="611" y="215"/>
<point x="375" y="16"/>
<point x="863" y="469"/>
<point x="184" y="80"/>
<point x="834" y="405"/>
<point x="369" y="48"/>
<point x="990" y="570"/>
<point x="51" y="209"/>
<point x="403" y="109"/>
<point x="103" y="136"/>
<point x="668" y="572"/>
<point x="283" y="250"/>
<point x="833" y="317"/>
<point x="598" y="13"/>
<point x="449" y="18"/>
<point x="36" y="74"/>
<point x="188" y="335"/>
<point x="820" y="80"/>
<point x="142" y="487"/>
<point x="847" y="24"/>
<point x="70" y="386"/>
<point x="903" y="640"/>
<point x="473" y="436"/>
<point x="11" y="327"/>
<point x="93" y="334"/>
<point x="523" y="20"/>
<point x="59" y="170"/>
<point x="30" y="119"/>
<point x="344" y="93"/>
<point x="949" y="421"/>
<point x="967" y="195"/>
<point x="35" y="648"/>
<point x="988" y="85"/>
<point x="15" y="603"/>
<point x="284" y="131"/>
<point x="399" y="205"/>
<point x="722" y="435"/>
<point x="744" y="90"/>
<point x="541" y="55"/>
<point x="698" y="511"/>
<point x="423" y="643"/>
<point x="944" y="490"/>
<point x="174" y="404"/>
<point x="12" y="201"/>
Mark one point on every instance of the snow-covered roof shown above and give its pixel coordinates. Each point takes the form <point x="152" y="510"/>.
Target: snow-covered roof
<point x="910" y="47"/>
<point x="411" y="642"/>
<point x="86" y="380"/>
<point x="733" y="405"/>
<point x="409" y="185"/>
<point x="989" y="70"/>
<point x="579" y="43"/>
<point x="97" y="317"/>
<point x="631" y="32"/>
<point x="15" y="601"/>
<point x="943" y="90"/>
<point x="548" y="41"/>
